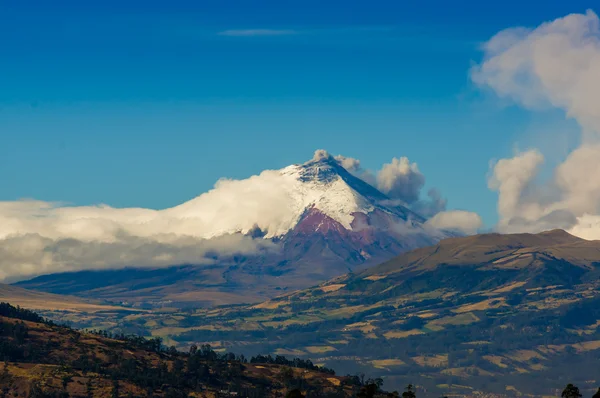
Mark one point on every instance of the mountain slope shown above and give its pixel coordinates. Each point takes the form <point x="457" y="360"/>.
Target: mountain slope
<point x="552" y="257"/>
<point x="52" y="302"/>
<point x="497" y="313"/>
<point x="45" y="360"/>
<point x="324" y="222"/>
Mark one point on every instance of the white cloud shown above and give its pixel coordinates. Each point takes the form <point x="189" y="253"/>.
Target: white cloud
<point x="511" y="178"/>
<point x="32" y="254"/>
<point x="39" y="237"/>
<point x="321" y="154"/>
<point x="578" y="178"/>
<point x="269" y="201"/>
<point x="350" y="164"/>
<point x="354" y="167"/>
<point x="587" y="227"/>
<point x="401" y="179"/>
<point x="257" y="32"/>
<point x="458" y="220"/>
<point x="554" y="65"/>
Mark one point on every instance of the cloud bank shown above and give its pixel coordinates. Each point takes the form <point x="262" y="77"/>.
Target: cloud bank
<point x="555" y="65"/>
<point x="458" y="220"/>
<point x="39" y="237"/>
<point x="33" y="254"/>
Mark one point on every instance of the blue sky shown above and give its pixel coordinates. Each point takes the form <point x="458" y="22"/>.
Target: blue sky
<point x="149" y="103"/>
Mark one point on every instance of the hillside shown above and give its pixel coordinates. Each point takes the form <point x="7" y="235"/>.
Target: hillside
<point x="36" y="300"/>
<point x="46" y="360"/>
<point x="488" y="313"/>
<point x="324" y="222"/>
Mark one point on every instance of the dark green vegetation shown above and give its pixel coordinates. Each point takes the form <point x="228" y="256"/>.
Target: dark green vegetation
<point x="42" y="359"/>
<point x="484" y="314"/>
<point x="571" y="391"/>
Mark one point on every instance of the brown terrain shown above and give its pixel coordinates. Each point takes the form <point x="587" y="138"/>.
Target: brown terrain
<point x="490" y="314"/>
<point x="45" y="360"/>
<point x="36" y="300"/>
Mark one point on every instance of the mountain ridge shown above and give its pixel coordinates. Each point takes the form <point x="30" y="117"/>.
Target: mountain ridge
<point x="459" y="251"/>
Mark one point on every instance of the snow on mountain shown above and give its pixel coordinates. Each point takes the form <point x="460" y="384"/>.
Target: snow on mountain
<point x="275" y="201"/>
<point x="315" y="212"/>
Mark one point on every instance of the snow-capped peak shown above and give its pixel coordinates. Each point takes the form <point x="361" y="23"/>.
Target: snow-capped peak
<point x="275" y="200"/>
<point x="318" y="184"/>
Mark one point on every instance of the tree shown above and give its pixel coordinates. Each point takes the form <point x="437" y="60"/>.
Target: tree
<point x="65" y="381"/>
<point x="36" y="391"/>
<point x="286" y="375"/>
<point x="597" y="394"/>
<point x="175" y="393"/>
<point x="295" y="393"/>
<point x="367" y="391"/>
<point x="571" y="391"/>
<point x="6" y="381"/>
<point x="115" y="389"/>
<point x="409" y="392"/>
<point x="88" y="389"/>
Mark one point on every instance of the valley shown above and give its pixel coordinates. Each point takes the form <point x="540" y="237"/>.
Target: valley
<point x="480" y="314"/>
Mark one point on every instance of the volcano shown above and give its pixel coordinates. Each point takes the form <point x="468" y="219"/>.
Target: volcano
<point x="325" y="222"/>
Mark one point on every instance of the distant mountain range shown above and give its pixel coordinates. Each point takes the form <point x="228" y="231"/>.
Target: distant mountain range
<point x="503" y="314"/>
<point x="335" y="222"/>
